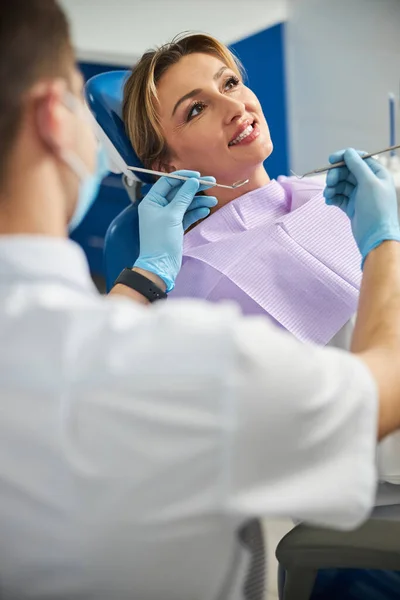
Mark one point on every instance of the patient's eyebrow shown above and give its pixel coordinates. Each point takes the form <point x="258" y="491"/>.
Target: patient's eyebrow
<point x="186" y="97"/>
<point x="219" y="73"/>
<point x="197" y="90"/>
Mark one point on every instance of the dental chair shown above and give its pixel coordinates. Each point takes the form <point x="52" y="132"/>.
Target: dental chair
<point x="103" y="94"/>
<point x="305" y="549"/>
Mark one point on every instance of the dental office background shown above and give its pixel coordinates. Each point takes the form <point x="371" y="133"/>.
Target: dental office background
<point x="322" y="70"/>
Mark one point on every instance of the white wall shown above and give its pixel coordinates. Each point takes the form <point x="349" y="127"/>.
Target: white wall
<point x="343" y="57"/>
<point x="118" y="31"/>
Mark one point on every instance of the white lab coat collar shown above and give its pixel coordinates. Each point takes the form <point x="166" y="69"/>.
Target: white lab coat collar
<point x="36" y="257"/>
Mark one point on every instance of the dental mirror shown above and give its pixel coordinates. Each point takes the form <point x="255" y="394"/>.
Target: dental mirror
<point x="234" y="186"/>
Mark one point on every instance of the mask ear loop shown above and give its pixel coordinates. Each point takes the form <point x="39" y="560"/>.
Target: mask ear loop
<point x="73" y="161"/>
<point x="76" y="164"/>
<point x="72" y="103"/>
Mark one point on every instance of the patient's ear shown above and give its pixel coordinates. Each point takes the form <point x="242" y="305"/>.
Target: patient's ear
<point x="162" y="165"/>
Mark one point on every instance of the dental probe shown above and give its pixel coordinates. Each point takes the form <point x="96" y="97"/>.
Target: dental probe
<point x="342" y="163"/>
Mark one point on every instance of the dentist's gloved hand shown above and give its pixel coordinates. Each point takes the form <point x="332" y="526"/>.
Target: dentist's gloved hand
<point x="170" y="207"/>
<point x="365" y="191"/>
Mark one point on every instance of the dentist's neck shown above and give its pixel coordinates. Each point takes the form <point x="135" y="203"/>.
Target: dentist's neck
<point x="31" y="201"/>
<point x="257" y="178"/>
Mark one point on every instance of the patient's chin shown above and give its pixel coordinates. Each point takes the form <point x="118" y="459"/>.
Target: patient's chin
<point x="269" y="148"/>
<point x="264" y="150"/>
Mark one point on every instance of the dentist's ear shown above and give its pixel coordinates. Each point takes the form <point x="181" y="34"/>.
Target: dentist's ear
<point x="51" y="116"/>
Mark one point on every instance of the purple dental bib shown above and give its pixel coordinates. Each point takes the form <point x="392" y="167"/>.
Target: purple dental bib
<point x="277" y="250"/>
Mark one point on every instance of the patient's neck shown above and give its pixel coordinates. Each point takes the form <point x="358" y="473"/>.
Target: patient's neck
<point x="257" y="178"/>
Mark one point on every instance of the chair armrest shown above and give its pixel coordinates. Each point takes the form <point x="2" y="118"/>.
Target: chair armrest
<point x="374" y="545"/>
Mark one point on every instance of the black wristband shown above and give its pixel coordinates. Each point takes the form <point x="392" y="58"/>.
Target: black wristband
<point x="140" y="284"/>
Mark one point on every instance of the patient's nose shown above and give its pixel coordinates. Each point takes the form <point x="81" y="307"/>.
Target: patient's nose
<point x="233" y="109"/>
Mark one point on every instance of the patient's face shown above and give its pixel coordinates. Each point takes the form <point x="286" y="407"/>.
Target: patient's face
<point x="203" y="106"/>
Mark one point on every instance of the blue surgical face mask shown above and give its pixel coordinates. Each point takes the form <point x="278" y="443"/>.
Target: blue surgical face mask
<point x="89" y="189"/>
<point x="89" y="183"/>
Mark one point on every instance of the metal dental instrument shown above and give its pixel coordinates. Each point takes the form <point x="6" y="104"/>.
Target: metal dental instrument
<point x="234" y="186"/>
<point x="342" y="163"/>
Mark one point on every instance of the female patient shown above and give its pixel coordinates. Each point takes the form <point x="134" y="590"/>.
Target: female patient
<point x="274" y="247"/>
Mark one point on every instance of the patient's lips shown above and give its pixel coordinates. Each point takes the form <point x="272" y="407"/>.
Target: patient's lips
<point x="246" y="133"/>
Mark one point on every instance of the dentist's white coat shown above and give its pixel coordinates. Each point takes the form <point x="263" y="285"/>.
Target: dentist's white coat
<point x="136" y="441"/>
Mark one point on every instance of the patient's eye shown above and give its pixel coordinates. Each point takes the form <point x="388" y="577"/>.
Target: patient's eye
<point x="232" y="82"/>
<point x="195" y="109"/>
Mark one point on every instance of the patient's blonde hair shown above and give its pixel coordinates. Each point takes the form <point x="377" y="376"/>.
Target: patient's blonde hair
<point x="140" y="93"/>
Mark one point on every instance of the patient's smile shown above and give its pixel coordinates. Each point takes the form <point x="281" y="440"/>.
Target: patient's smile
<point x="247" y="136"/>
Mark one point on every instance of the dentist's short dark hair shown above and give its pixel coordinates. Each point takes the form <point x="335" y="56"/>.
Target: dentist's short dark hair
<point x="34" y="44"/>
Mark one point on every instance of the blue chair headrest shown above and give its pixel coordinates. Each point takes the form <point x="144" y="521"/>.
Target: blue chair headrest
<point x="104" y="95"/>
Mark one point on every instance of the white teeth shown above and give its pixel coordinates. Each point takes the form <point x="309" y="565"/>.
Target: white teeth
<point x="241" y="137"/>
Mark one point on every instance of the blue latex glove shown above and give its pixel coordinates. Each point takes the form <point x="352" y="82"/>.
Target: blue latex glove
<point x="365" y="191"/>
<point x="170" y="207"/>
